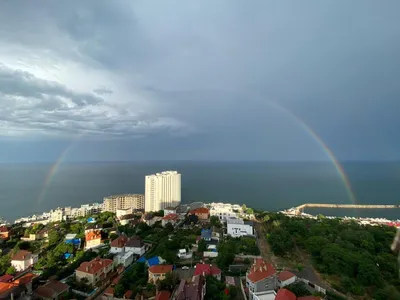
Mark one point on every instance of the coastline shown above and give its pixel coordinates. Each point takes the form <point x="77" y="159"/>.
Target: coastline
<point x="93" y="208"/>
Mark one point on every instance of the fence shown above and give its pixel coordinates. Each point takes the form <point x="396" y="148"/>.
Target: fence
<point x="314" y="286"/>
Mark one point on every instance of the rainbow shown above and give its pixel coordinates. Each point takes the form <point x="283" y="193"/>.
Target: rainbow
<point x="349" y="190"/>
<point x="323" y="146"/>
<point x="53" y="170"/>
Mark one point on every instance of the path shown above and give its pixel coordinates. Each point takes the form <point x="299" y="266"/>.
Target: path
<point x="262" y="243"/>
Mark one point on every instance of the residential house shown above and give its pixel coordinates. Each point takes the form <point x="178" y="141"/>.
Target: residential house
<point x="95" y="270"/>
<point x="285" y="278"/>
<point x="260" y="277"/>
<point x="93" y="239"/>
<point x="194" y="290"/>
<point x="124" y="258"/>
<point x="118" y="245"/>
<point x="158" y="272"/>
<point x="183" y="254"/>
<point x="284" y="294"/>
<point x="5" y="232"/>
<point x="135" y="245"/>
<point x="23" y="259"/>
<point x="163" y="295"/>
<point x="51" y="290"/>
<point x="93" y="227"/>
<point x="207" y="270"/>
<point x="171" y="218"/>
<point x="18" y="288"/>
<point x="206" y="234"/>
<point x="127" y="219"/>
<point x="203" y="213"/>
<point x="238" y="227"/>
<point x="169" y="210"/>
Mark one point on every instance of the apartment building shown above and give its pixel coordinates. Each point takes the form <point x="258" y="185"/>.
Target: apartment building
<point x="162" y="190"/>
<point x="122" y="202"/>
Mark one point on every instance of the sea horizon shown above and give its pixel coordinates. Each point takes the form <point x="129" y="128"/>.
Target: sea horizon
<point x="265" y="185"/>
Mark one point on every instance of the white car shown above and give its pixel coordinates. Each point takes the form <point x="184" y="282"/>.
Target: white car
<point x="185" y="268"/>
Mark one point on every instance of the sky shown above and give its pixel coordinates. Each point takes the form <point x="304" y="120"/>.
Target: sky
<point x="199" y="80"/>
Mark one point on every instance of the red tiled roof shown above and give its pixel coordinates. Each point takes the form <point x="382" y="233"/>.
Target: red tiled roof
<point x="109" y="291"/>
<point x="6" y="278"/>
<point x="93" y="235"/>
<point x="200" y="210"/>
<point x="260" y="270"/>
<point x="21" y="255"/>
<point x="45" y="292"/>
<point x="284" y="294"/>
<point x="171" y="217"/>
<point x="128" y="294"/>
<point x="163" y="295"/>
<point x="94" y="265"/>
<point x="119" y="242"/>
<point x="117" y="279"/>
<point x="4" y="229"/>
<point x="160" y="269"/>
<point x="206" y="269"/>
<point x="285" y="275"/>
<point x="57" y="286"/>
<point x="5" y="287"/>
<point x="25" y="279"/>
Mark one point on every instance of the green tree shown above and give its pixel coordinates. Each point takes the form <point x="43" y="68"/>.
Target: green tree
<point x="202" y="245"/>
<point x="11" y="270"/>
<point x="299" y="289"/>
<point x="214" y="221"/>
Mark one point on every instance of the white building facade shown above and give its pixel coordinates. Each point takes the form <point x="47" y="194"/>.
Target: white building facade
<point x="162" y="190"/>
<point x="238" y="227"/>
<point x="123" y="202"/>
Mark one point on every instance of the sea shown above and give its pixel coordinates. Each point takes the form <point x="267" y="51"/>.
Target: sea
<point x="27" y="189"/>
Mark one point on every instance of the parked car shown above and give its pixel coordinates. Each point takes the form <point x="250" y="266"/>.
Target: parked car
<point x="185" y="268"/>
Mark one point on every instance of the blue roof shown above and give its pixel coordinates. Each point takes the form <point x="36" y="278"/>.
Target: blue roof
<point x="206" y="233"/>
<point x="142" y="259"/>
<point x="153" y="261"/>
<point x="67" y="255"/>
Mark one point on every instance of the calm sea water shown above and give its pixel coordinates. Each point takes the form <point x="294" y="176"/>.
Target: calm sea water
<point x="262" y="185"/>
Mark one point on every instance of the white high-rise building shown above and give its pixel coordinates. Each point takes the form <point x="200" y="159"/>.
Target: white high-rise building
<point x="162" y="190"/>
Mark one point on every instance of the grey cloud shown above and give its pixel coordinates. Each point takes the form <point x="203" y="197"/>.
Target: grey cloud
<point x="19" y="83"/>
<point x="334" y="65"/>
<point x="32" y="105"/>
<point x="103" y="91"/>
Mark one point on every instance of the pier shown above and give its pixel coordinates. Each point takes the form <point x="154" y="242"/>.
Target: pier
<point x="300" y="209"/>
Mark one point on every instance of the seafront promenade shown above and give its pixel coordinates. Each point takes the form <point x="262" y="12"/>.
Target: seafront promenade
<point x="301" y="208"/>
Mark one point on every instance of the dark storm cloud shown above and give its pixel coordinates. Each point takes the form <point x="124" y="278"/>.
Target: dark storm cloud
<point x="215" y="66"/>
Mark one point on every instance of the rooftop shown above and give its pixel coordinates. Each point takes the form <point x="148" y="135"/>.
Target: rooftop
<point x="94" y="265"/>
<point x="170" y="217"/>
<point x="52" y="289"/>
<point x="260" y="270"/>
<point x="119" y="242"/>
<point x="206" y="269"/>
<point x="200" y="210"/>
<point x="285" y="275"/>
<point x="134" y="242"/>
<point x="163" y="295"/>
<point x="93" y="235"/>
<point x="160" y="269"/>
<point x="284" y="294"/>
<point x="190" y="290"/>
<point x="21" y="255"/>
